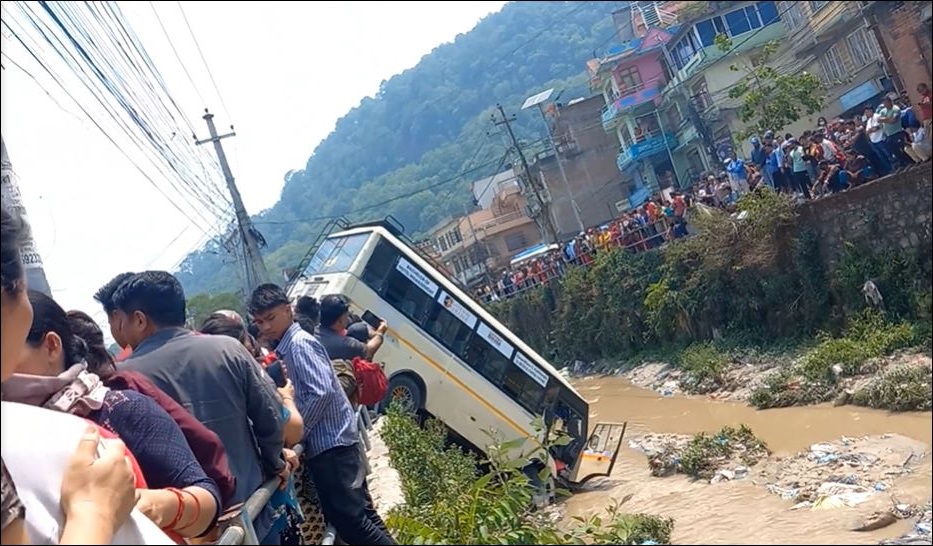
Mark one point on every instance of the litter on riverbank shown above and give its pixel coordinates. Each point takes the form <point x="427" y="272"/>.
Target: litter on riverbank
<point x="842" y="473"/>
<point x="723" y="456"/>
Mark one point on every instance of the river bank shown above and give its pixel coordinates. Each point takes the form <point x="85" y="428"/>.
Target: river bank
<point x="819" y="460"/>
<point x="899" y="381"/>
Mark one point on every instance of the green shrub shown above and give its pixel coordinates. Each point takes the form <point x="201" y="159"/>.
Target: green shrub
<point x="448" y="503"/>
<point x="906" y="388"/>
<point x="785" y="389"/>
<point x="428" y="469"/>
<point x="758" y="278"/>
<point x="813" y="379"/>
<point x="704" y="368"/>
<point x="702" y="456"/>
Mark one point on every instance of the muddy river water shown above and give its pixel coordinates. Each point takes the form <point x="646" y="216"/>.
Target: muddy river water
<point x="742" y="512"/>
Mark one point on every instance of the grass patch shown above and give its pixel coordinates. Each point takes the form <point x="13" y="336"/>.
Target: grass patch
<point x="816" y="376"/>
<point x="448" y="502"/>
<point x="907" y="388"/>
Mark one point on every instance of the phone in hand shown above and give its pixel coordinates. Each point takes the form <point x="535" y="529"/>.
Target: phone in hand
<point x="370" y="318"/>
<point x="277" y="373"/>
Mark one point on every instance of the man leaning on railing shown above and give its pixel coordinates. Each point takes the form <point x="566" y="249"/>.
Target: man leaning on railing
<point x="331" y="440"/>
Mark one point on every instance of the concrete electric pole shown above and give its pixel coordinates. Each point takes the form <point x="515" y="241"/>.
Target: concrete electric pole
<point x="540" y="205"/>
<point x="256" y="272"/>
<point x="13" y="201"/>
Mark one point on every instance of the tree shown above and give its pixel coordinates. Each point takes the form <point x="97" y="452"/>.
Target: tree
<point x="201" y="306"/>
<point x="771" y="100"/>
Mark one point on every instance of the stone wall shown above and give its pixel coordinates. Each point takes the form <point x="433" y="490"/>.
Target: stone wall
<point x="892" y="212"/>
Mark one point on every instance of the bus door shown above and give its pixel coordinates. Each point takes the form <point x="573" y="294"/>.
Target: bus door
<point x="584" y="459"/>
<point x="601" y="451"/>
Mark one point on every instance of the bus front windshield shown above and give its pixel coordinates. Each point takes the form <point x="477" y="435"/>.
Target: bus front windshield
<point x="336" y="255"/>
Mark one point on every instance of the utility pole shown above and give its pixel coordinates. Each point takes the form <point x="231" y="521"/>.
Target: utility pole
<point x="540" y="204"/>
<point x="13" y="201"/>
<point x="256" y="272"/>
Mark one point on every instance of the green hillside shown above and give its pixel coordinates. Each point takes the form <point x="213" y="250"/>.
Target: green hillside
<point x="401" y="151"/>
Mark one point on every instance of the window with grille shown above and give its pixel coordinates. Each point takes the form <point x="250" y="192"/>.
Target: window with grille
<point x="817" y="6"/>
<point x="792" y="15"/>
<point x="629" y="80"/>
<point x="863" y="47"/>
<point x="833" y="67"/>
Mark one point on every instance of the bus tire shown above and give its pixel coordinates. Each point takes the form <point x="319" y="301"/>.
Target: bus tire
<point x="407" y="390"/>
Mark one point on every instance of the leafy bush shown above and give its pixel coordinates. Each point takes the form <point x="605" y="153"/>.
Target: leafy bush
<point x="448" y="503"/>
<point x="759" y="278"/>
<point x="815" y="377"/>
<point x="704" y="454"/>
<point x="704" y="368"/>
<point x="428" y="468"/>
<point x="907" y="388"/>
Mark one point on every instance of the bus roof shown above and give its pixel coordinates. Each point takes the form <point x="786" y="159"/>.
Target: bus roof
<point x="389" y="232"/>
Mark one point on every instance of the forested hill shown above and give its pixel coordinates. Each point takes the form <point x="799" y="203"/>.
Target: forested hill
<point x="401" y="151"/>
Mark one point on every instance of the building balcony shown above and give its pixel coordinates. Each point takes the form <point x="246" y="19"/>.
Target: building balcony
<point x="652" y="145"/>
<point x="502" y="223"/>
<point x="636" y="96"/>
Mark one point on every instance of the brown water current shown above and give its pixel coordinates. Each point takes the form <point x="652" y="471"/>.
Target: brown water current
<point x="743" y="512"/>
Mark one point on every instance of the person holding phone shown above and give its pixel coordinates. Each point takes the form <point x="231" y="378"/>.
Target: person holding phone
<point x="335" y="318"/>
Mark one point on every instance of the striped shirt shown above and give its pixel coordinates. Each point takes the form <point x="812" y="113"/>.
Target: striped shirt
<point x="329" y="419"/>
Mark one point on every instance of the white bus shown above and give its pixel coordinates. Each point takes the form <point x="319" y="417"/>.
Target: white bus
<point x="446" y="357"/>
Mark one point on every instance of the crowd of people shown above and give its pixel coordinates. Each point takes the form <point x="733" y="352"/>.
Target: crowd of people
<point x="835" y="156"/>
<point x="646" y="227"/>
<point x="161" y="443"/>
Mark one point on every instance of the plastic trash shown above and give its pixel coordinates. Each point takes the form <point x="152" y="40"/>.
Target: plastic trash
<point x="666" y="393"/>
<point x="827" y="458"/>
<point x="923" y="528"/>
<point x="648" y="542"/>
<point x="880" y="486"/>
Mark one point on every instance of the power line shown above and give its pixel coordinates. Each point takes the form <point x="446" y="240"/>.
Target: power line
<point x="171" y="43"/>
<point x="93" y="120"/>
<point x="115" y="80"/>
<point x="387" y="201"/>
<point x="204" y="60"/>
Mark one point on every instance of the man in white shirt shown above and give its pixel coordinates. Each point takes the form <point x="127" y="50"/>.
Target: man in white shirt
<point x="876" y="136"/>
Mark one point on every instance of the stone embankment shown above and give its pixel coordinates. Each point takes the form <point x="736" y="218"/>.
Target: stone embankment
<point x="385" y="486"/>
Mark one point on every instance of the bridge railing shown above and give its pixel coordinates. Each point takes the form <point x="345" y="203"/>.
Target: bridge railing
<point x="241" y="531"/>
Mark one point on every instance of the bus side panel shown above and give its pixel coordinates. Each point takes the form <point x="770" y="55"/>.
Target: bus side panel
<point x="456" y="394"/>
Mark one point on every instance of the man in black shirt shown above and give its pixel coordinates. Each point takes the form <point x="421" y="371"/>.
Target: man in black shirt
<point x="335" y="318"/>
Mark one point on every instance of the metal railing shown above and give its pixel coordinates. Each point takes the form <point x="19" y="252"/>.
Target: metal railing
<point x="241" y="530"/>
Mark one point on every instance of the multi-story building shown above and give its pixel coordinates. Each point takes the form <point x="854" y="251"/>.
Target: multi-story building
<point x="631" y="78"/>
<point x="582" y="179"/>
<point x="906" y="31"/>
<point x="666" y="87"/>
<point x="474" y="246"/>
<point x="703" y="74"/>
<point x="835" y="41"/>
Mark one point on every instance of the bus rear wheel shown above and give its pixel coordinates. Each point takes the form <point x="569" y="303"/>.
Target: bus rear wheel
<point x="406" y="392"/>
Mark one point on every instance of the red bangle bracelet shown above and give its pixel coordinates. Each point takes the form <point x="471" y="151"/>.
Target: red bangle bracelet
<point x="197" y="510"/>
<point x="179" y="512"/>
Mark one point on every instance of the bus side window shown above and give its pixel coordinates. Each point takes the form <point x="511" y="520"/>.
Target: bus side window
<point x="522" y="388"/>
<point x="447" y="328"/>
<point x="484" y="358"/>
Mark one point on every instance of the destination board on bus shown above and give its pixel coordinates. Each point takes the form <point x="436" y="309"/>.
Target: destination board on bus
<point x="524" y="364"/>
<point x="414" y="275"/>
<point x="493" y="338"/>
<point x="456" y="309"/>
